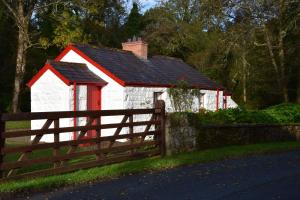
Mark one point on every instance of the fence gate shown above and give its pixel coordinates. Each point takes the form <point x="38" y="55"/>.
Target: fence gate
<point x="40" y="159"/>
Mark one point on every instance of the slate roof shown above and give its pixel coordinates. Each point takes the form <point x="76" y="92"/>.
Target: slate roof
<point x="157" y="70"/>
<point x="76" y="72"/>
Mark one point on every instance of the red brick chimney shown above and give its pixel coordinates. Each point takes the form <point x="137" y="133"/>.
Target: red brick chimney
<point x="137" y="47"/>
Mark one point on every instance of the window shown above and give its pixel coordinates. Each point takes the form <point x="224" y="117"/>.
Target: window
<point x="157" y="96"/>
<point x="201" y="100"/>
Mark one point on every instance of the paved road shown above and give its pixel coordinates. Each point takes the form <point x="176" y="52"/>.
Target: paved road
<point x="275" y="176"/>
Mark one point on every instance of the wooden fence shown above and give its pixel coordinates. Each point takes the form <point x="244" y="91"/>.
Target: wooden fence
<point x="66" y="156"/>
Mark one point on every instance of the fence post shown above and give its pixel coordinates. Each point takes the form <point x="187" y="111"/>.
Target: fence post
<point x="2" y="143"/>
<point x="56" y="142"/>
<point x="131" y="132"/>
<point x="160" y="104"/>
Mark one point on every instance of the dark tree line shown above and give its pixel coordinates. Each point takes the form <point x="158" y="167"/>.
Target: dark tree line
<point x="251" y="47"/>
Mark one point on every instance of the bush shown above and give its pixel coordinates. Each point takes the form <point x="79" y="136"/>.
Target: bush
<point x="283" y="113"/>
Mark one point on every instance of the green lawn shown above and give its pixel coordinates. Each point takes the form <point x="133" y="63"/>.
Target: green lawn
<point x="148" y="164"/>
<point x="17" y="125"/>
<point x="43" y="153"/>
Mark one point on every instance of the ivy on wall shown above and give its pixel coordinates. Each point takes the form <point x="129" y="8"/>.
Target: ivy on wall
<point x="182" y="96"/>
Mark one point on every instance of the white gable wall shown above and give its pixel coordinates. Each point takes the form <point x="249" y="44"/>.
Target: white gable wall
<point x="111" y="94"/>
<point x="231" y="103"/>
<point x="49" y="93"/>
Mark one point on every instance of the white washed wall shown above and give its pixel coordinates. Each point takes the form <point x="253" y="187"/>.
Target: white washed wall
<point x="112" y="93"/>
<point x="231" y="103"/>
<point x="210" y="99"/>
<point x="81" y="103"/>
<point x="49" y="93"/>
<point x="142" y="97"/>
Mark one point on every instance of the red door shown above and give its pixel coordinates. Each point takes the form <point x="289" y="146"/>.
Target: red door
<point x="93" y="103"/>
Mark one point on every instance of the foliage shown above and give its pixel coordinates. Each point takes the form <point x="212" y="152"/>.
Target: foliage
<point x="148" y="164"/>
<point x="134" y="23"/>
<point x="182" y="96"/>
<point x="226" y="40"/>
<point x="284" y="113"/>
<point x="279" y="114"/>
<point x="68" y="30"/>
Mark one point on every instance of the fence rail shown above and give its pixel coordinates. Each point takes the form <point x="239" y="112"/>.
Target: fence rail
<point x="66" y="156"/>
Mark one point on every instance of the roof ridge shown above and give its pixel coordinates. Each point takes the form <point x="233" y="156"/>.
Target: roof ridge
<point x="102" y="47"/>
<point x="49" y="61"/>
<point x="167" y="57"/>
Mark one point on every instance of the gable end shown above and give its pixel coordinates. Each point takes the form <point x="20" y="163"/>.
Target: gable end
<point x="43" y="70"/>
<point x="87" y="58"/>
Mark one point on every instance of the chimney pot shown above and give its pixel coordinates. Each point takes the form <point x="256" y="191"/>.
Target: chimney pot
<point x="137" y="46"/>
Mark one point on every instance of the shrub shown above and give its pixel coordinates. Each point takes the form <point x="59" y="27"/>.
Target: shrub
<point x="283" y="113"/>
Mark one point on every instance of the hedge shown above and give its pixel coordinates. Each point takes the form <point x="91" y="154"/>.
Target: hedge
<point x="279" y="114"/>
<point x="235" y="120"/>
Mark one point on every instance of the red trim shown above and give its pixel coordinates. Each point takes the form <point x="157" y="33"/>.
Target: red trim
<point x="100" y="101"/>
<point x="70" y="47"/>
<point x="63" y="53"/>
<point x="217" y="99"/>
<point x="46" y="67"/>
<point x="74" y="107"/>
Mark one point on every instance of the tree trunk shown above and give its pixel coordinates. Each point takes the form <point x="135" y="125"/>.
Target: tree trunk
<point x="281" y="35"/>
<point x="21" y="56"/>
<point x="20" y="70"/>
<point x="280" y="70"/>
<point x="283" y="71"/>
<point x="244" y="63"/>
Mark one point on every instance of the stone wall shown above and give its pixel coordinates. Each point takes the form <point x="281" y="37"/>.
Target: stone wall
<point x="241" y="134"/>
<point x="180" y="137"/>
<point x="183" y="137"/>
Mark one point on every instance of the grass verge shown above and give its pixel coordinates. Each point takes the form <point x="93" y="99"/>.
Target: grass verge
<point x="17" y="125"/>
<point x="148" y="164"/>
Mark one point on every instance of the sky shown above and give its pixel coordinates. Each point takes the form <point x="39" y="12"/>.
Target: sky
<point x="145" y="4"/>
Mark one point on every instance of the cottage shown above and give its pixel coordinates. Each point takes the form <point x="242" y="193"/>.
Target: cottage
<point x="84" y="77"/>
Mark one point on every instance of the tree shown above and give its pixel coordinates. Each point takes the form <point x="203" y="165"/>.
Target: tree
<point x="279" y="17"/>
<point x="22" y="12"/>
<point x="94" y="21"/>
<point x="174" y="28"/>
<point x="7" y="51"/>
<point x="134" y="22"/>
